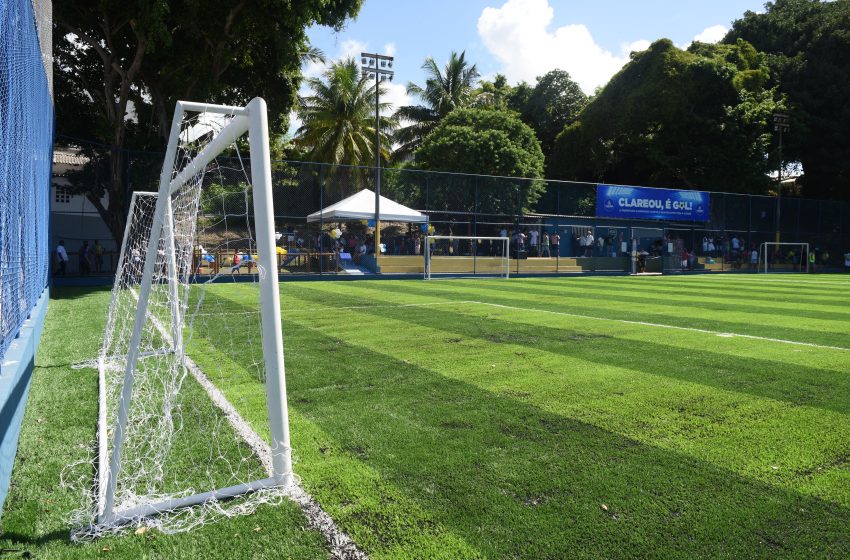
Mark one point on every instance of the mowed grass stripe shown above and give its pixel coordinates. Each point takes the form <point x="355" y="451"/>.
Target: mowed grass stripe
<point x="728" y="305"/>
<point x="401" y="400"/>
<point x="830" y="360"/>
<point x="511" y="293"/>
<point x="635" y="296"/>
<point x="350" y="326"/>
<point x="731" y="293"/>
<point x="760" y="430"/>
<point x="729" y="285"/>
<point x="375" y="512"/>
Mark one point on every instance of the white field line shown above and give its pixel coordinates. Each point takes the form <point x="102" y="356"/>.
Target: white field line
<point x="624" y="321"/>
<point x="341" y="547"/>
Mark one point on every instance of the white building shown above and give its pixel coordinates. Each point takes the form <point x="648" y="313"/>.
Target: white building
<point x="72" y="217"/>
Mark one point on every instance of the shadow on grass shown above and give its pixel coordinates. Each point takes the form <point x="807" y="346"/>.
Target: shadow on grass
<point x="75" y="292"/>
<point x="513" y="480"/>
<point x="19" y="539"/>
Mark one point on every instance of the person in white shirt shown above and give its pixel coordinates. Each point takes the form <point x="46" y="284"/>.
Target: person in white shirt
<point x="62" y="258"/>
<point x="588" y="244"/>
<point x="533" y="234"/>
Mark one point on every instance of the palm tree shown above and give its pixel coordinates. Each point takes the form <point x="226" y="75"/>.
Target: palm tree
<point x="443" y="92"/>
<point x="493" y="95"/>
<point x="338" y="118"/>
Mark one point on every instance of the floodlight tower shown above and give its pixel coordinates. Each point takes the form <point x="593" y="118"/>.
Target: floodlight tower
<point x="380" y="67"/>
<point x="780" y="125"/>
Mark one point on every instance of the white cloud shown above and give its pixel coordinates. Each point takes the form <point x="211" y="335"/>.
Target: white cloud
<point x="517" y="35"/>
<point x="396" y="94"/>
<point x="712" y="34"/>
<point x="389" y="49"/>
<point x="636" y="46"/>
<point x="352" y="48"/>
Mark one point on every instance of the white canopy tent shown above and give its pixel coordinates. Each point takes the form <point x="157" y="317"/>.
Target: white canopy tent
<point x="361" y="206"/>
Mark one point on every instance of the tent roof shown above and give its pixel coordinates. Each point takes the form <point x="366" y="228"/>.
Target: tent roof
<point x="361" y="206"/>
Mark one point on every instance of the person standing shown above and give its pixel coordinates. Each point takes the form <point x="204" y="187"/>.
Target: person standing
<point x="85" y="259"/>
<point x="588" y="244"/>
<point x="812" y="260"/>
<point x="98" y="256"/>
<point x="556" y="244"/>
<point x="545" y="246"/>
<point x="61" y="258"/>
<point x="534" y="237"/>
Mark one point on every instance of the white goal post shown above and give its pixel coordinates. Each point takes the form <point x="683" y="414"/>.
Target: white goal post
<point x="462" y="255"/>
<point x="159" y="257"/>
<point x="783" y="257"/>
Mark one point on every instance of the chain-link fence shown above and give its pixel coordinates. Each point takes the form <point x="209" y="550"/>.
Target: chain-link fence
<point x="26" y="129"/>
<point x="552" y="224"/>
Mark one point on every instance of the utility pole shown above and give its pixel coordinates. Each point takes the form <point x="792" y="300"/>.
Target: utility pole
<point x="379" y="66"/>
<point x="780" y="125"/>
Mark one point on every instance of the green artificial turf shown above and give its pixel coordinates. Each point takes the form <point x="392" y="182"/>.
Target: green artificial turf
<point x="595" y="417"/>
<point x="58" y="430"/>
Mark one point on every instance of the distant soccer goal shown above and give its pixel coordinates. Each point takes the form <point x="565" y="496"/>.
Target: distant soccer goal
<point x="783" y="257"/>
<point x="173" y="451"/>
<point x="459" y="255"/>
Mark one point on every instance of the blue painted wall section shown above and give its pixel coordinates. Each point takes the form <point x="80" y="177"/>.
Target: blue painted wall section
<point x="15" y="376"/>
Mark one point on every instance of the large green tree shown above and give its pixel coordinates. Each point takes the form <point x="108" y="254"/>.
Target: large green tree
<point x="553" y="103"/>
<point x="809" y="46"/>
<point x="698" y="119"/>
<point x="486" y="142"/>
<point x="445" y="90"/>
<point x="120" y="65"/>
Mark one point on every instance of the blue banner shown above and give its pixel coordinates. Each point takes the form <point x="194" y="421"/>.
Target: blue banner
<point x="643" y="203"/>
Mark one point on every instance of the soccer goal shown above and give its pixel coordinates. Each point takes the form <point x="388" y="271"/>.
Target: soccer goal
<point x="459" y="255"/>
<point x="783" y="257"/>
<point x="173" y="450"/>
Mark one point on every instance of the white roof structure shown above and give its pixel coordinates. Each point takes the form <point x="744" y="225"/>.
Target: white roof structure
<point x="361" y="206"/>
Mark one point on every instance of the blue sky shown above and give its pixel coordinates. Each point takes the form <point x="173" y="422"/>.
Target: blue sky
<point x="524" y="38"/>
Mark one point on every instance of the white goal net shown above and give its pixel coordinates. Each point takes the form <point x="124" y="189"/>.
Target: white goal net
<point x="458" y="255"/>
<point x="182" y="350"/>
<point x="783" y="257"/>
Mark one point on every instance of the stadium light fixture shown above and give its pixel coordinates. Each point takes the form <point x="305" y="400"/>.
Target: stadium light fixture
<point x="377" y="66"/>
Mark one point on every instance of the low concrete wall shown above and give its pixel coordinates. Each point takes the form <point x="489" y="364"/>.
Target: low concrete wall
<point x="15" y="375"/>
